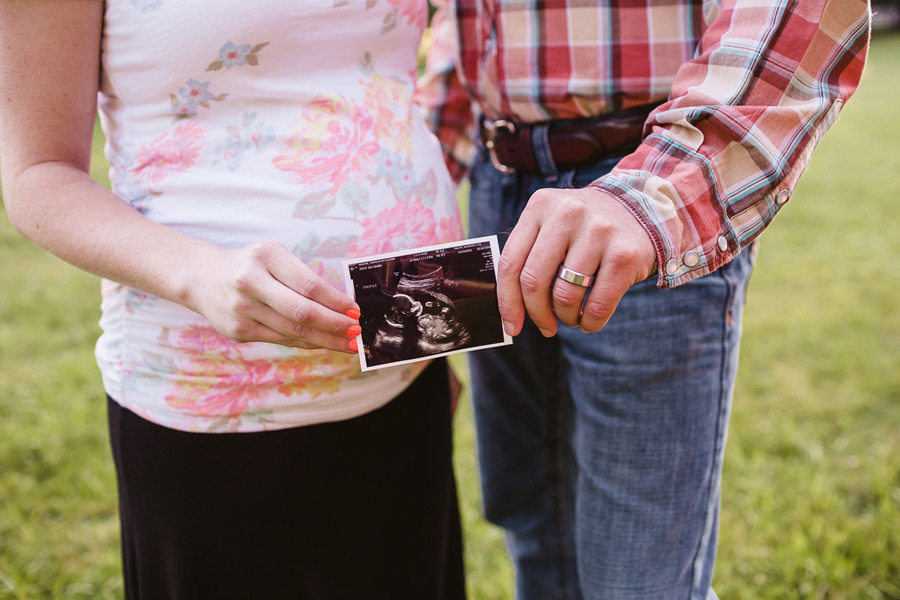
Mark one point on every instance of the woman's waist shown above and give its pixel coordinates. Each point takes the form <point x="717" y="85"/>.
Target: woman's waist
<point x="153" y="336"/>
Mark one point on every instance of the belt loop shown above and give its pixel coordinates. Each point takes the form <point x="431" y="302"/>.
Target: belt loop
<point x="540" y="143"/>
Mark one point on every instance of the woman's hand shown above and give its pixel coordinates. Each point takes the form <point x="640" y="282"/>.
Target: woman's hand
<point x="48" y="87"/>
<point x="263" y="293"/>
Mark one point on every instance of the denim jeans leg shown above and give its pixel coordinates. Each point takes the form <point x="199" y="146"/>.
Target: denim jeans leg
<point x="524" y="424"/>
<point x="636" y="415"/>
<point x="653" y="394"/>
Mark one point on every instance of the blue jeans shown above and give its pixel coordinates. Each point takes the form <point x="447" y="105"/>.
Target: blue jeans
<point x="601" y="454"/>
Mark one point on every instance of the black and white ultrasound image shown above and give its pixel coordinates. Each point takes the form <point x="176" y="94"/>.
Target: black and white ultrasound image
<point x="427" y="303"/>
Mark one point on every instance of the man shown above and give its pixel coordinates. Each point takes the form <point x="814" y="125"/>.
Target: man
<point x="635" y="150"/>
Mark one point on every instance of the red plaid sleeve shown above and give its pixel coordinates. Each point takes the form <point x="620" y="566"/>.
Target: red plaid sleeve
<point x="445" y="101"/>
<point x="725" y="153"/>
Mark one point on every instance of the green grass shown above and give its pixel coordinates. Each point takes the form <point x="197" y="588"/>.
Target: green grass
<point x="811" y="490"/>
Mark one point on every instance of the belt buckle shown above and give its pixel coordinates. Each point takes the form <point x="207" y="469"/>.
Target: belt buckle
<point x="491" y="127"/>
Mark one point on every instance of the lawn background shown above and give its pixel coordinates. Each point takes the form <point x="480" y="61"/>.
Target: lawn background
<point x="811" y="490"/>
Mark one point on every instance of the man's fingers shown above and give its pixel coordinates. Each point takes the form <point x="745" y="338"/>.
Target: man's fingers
<point x="583" y="230"/>
<point x="583" y="257"/>
<point x="611" y="284"/>
<point x="509" y="269"/>
<point x="539" y="275"/>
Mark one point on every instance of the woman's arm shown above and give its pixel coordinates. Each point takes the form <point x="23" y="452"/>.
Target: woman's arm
<point x="49" y="77"/>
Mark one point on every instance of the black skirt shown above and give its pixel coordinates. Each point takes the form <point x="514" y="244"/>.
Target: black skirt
<point x="359" y="509"/>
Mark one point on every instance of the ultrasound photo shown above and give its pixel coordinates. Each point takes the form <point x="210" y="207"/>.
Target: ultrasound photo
<point x="426" y="302"/>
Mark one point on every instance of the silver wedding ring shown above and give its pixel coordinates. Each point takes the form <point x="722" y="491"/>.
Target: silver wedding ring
<point x="575" y="277"/>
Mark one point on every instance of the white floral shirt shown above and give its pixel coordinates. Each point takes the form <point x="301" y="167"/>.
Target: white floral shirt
<point x="237" y="122"/>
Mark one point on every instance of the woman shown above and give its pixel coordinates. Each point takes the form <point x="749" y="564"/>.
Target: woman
<point x="252" y="147"/>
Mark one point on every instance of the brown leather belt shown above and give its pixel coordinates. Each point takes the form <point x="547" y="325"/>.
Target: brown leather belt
<point x="572" y="142"/>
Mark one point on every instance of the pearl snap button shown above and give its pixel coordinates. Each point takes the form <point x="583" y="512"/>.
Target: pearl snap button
<point x="671" y="266"/>
<point x="723" y="243"/>
<point x="782" y="196"/>
<point x="692" y="258"/>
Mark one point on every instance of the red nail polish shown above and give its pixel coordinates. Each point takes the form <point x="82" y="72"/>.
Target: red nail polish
<point x="352" y="345"/>
<point x="354" y="331"/>
<point x="352" y="313"/>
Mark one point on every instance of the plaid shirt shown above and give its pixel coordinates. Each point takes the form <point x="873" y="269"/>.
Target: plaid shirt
<point x="751" y="86"/>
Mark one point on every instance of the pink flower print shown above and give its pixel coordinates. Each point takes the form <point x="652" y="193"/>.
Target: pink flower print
<point x="331" y="143"/>
<point x="250" y="136"/>
<point x="200" y="338"/>
<point x="168" y="155"/>
<point x="230" y="152"/>
<point x="328" y="273"/>
<point x="405" y="225"/>
<point x="233" y="55"/>
<point x="221" y="386"/>
<point x="449" y="230"/>
<point x="412" y="10"/>
<point x="386" y="98"/>
<point x="184" y="109"/>
<point x="127" y="187"/>
<point x="196" y="91"/>
<point x="137" y="301"/>
<point x="220" y="382"/>
<point x="305" y="373"/>
<point x="191" y="96"/>
<point x="397" y="173"/>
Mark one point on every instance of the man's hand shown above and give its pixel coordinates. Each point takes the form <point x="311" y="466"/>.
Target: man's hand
<point x="589" y="232"/>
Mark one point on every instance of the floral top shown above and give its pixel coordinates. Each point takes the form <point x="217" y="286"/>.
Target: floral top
<point x="237" y="122"/>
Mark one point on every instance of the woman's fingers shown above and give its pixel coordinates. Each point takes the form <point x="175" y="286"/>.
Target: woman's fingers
<point x="269" y="326"/>
<point x="291" y="272"/>
<point x="309" y="324"/>
<point x="273" y="297"/>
